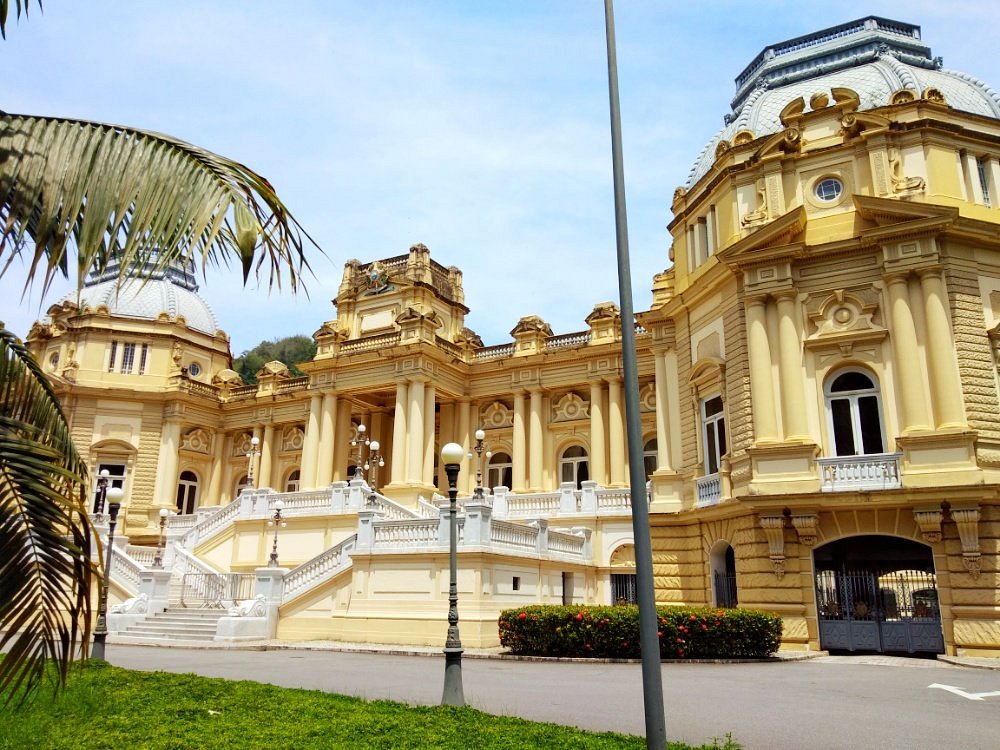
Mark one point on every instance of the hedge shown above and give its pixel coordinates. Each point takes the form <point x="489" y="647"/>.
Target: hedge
<point x="613" y="632"/>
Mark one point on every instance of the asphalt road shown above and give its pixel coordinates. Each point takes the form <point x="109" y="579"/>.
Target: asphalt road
<point x="826" y="702"/>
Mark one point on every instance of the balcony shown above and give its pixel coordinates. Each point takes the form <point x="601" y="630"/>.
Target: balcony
<point x="876" y="471"/>
<point x="709" y="491"/>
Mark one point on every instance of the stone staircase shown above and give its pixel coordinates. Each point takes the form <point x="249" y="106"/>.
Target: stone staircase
<point x="174" y="625"/>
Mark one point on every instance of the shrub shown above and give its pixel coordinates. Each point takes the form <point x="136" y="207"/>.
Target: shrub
<point x="613" y="632"/>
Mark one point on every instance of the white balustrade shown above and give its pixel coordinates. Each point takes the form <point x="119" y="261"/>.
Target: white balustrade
<point x="321" y="568"/>
<point x="878" y="471"/>
<point x="125" y="570"/>
<point x="709" y="490"/>
<point x="406" y="533"/>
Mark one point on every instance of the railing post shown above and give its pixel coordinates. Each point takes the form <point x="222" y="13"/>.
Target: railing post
<point x="155" y="584"/>
<point x="567" y="498"/>
<point x="356" y="497"/>
<point x="338" y="499"/>
<point x="588" y="497"/>
<point x="501" y="509"/>
<point x="246" y="503"/>
<point x="366" y="530"/>
<point x="444" y="524"/>
<point x="270" y="584"/>
<point x="477" y="523"/>
<point x="542" y="540"/>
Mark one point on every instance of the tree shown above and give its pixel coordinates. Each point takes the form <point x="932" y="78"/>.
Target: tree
<point x="107" y="192"/>
<point x="291" y="350"/>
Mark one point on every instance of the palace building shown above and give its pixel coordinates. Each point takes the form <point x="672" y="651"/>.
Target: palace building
<point x="819" y="398"/>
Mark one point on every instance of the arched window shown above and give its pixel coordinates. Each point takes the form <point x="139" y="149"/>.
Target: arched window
<point x="187" y="492"/>
<point x="243" y="484"/>
<point x="500" y="471"/>
<point x="713" y="422"/>
<point x="573" y="466"/>
<point x="292" y="483"/>
<point x="649" y="457"/>
<point x="855" y="414"/>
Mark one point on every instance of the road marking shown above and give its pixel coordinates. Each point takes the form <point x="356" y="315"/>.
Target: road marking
<point x="970" y="696"/>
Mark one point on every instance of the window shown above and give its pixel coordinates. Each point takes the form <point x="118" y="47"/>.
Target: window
<point x="121" y="357"/>
<point x="112" y="356"/>
<point x="116" y="478"/>
<point x="623" y="588"/>
<point x="573" y="466"/>
<point x="515" y="584"/>
<point x="713" y="422"/>
<point x="649" y="457"/>
<point x="500" y="472"/>
<point x="292" y="483"/>
<point x="982" y="169"/>
<point x="187" y="492"/>
<point x="128" y="358"/>
<point x="855" y="414"/>
<point x="143" y="356"/>
<point x="243" y="484"/>
<point x="828" y="190"/>
<point x="194" y="369"/>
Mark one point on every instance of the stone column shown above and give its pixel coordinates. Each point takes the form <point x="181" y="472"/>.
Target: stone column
<point x="945" y="381"/>
<point x="535" y="441"/>
<point x="793" y="407"/>
<point x="310" y="446"/>
<point x="267" y="451"/>
<point x="765" y="422"/>
<point x="415" y="433"/>
<point x="342" y="442"/>
<point x="616" y="432"/>
<point x="165" y="489"/>
<point x="327" y="440"/>
<point x="907" y="356"/>
<point x="218" y="466"/>
<point x="663" y="462"/>
<point x="464" y="430"/>
<point x="428" y="477"/>
<point x="673" y="407"/>
<point x="598" y="431"/>
<point x="397" y="463"/>
<point x="519" y="459"/>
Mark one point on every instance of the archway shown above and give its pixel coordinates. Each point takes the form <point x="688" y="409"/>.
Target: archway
<point x="877" y="593"/>
<point x="723" y="562"/>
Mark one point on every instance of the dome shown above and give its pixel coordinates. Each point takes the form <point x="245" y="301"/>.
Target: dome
<point x="873" y="56"/>
<point x="173" y="292"/>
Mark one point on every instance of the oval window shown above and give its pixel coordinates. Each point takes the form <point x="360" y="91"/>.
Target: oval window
<point x="194" y="369"/>
<point x="828" y="189"/>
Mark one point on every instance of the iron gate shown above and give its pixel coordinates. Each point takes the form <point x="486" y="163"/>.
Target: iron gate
<point x="867" y="611"/>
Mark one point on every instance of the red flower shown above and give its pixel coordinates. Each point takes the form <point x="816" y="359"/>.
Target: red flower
<point x="704" y="627"/>
<point x="659" y="633"/>
<point x="680" y="640"/>
<point x="522" y="615"/>
<point x="579" y="616"/>
<point x="693" y="618"/>
<point x="680" y="652"/>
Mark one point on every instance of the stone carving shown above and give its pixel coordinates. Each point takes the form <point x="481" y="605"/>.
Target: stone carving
<point x="901" y="183"/>
<point x="758" y="215"/>
<point x="497" y="415"/>
<point x="196" y="440"/>
<point x="805" y="525"/>
<point x="293" y="438"/>
<point x="774" y="530"/>
<point x="967" y="521"/>
<point x="241" y="444"/>
<point x="570" y="407"/>
<point x="137" y="605"/>
<point x="250" y="608"/>
<point x="647" y="397"/>
<point x="929" y="521"/>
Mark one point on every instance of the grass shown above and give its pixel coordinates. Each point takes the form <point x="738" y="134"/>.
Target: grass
<point x="107" y="708"/>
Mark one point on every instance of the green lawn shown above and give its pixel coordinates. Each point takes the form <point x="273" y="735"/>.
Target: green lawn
<point x="107" y="708"/>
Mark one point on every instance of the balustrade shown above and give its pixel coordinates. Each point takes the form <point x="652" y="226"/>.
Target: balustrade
<point x="878" y="471"/>
<point x="709" y="490"/>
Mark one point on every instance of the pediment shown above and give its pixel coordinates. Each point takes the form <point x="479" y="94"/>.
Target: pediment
<point x="779" y="238"/>
<point x="890" y="212"/>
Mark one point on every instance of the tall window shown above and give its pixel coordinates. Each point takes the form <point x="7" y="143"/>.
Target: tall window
<point x="855" y="414"/>
<point x="573" y="466"/>
<point x="649" y="457"/>
<point x="116" y="477"/>
<point x="121" y="357"/>
<point x="713" y="423"/>
<point x="500" y="471"/>
<point x="292" y="483"/>
<point x="187" y="492"/>
<point x="128" y="358"/>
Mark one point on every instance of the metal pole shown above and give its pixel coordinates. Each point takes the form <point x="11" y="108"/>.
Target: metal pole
<point x="649" y="642"/>
<point x="453" y="695"/>
<point x="101" y="631"/>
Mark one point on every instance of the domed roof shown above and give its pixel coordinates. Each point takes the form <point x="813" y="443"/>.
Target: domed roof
<point x="873" y="56"/>
<point x="173" y="292"/>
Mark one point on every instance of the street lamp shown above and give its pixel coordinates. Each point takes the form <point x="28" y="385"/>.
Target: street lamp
<point x="276" y="521"/>
<point x="360" y="440"/>
<point x="375" y="461"/>
<point x="102" y="491"/>
<point x="481" y="453"/>
<point x="114" y="496"/>
<point x="158" y="557"/>
<point x="251" y="457"/>
<point x="451" y="456"/>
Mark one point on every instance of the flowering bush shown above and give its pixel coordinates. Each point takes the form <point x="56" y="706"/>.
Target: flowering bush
<point x="613" y="632"/>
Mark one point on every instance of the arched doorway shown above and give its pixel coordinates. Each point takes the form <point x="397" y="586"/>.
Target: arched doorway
<point x="187" y="492"/>
<point x="723" y="562"/>
<point x="877" y="593"/>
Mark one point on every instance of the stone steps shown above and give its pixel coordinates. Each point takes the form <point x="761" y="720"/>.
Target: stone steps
<point x="175" y="624"/>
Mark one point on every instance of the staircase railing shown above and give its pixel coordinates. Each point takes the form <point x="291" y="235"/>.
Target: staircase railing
<point x="321" y="568"/>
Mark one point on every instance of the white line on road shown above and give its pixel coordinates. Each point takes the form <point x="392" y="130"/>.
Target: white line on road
<point x="970" y="696"/>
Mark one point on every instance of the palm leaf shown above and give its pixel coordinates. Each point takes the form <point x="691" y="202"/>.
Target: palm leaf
<point x="143" y="198"/>
<point x="25" y="4"/>
<point x="45" y="536"/>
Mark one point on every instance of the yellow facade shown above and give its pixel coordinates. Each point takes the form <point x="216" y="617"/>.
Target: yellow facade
<point x="817" y="372"/>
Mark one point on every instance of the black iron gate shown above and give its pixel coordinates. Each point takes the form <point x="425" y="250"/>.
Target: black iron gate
<point x="866" y="611"/>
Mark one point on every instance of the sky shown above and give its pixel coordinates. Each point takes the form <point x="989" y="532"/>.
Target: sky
<point x="479" y="128"/>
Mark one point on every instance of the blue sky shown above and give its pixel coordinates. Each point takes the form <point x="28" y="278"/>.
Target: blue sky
<point x="479" y="128"/>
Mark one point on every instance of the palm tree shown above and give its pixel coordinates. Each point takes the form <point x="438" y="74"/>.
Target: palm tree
<point x="103" y="192"/>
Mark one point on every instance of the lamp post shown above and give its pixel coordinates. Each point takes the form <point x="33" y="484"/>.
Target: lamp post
<point x="114" y="497"/>
<point x="481" y="452"/>
<point x="102" y="491"/>
<point x="276" y="520"/>
<point x="375" y="461"/>
<point x="451" y="456"/>
<point x="251" y="457"/>
<point x="360" y="440"/>
<point x="158" y="557"/>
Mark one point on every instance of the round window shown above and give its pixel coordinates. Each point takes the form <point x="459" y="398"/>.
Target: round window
<point x="828" y="189"/>
<point x="194" y="369"/>
<point x="54" y="360"/>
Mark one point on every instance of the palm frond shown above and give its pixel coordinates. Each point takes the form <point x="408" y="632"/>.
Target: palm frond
<point x="144" y="198"/>
<point x="21" y="4"/>
<point x="45" y="536"/>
